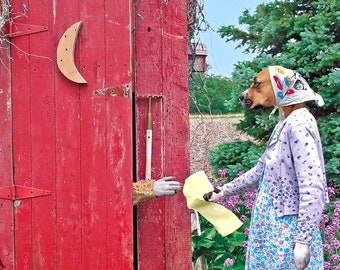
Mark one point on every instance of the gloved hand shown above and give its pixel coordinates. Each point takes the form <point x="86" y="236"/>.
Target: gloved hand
<point x="301" y="256"/>
<point x="166" y="187"/>
<point x="213" y="196"/>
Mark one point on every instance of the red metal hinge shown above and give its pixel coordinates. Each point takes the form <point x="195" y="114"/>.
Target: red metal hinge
<point x="21" y="29"/>
<point x="16" y="192"/>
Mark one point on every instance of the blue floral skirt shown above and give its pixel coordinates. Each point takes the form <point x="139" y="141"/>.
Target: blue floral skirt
<point x="271" y="239"/>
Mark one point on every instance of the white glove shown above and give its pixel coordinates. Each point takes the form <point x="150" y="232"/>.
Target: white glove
<point x="301" y="256"/>
<point x="213" y="196"/>
<point x="166" y="187"/>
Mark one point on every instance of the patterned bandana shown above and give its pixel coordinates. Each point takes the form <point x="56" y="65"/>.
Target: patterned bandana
<point x="290" y="88"/>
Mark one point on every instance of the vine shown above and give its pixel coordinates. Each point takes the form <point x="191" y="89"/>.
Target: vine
<point x="4" y="12"/>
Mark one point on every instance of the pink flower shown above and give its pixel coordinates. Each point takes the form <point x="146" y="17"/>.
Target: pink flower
<point x="222" y="173"/>
<point x="228" y="262"/>
<point x="246" y="231"/>
<point x="336" y="243"/>
<point x="331" y="192"/>
<point x="327" y="265"/>
<point x="327" y="248"/>
<point x="243" y="218"/>
<point x="329" y="230"/>
<point x="335" y="258"/>
<point x="337" y="204"/>
<point x="325" y="218"/>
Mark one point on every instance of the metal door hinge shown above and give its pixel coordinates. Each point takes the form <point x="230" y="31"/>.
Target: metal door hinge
<point x="16" y="192"/>
<point x="21" y="29"/>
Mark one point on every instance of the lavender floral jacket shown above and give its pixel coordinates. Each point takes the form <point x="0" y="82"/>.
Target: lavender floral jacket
<point x="293" y="165"/>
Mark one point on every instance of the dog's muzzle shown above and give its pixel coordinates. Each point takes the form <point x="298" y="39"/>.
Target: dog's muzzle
<point x="245" y="101"/>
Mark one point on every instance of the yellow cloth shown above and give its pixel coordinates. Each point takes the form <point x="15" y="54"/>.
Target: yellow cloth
<point x="195" y="187"/>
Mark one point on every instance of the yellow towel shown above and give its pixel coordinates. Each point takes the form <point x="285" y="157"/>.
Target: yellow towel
<point x="195" y="187"/>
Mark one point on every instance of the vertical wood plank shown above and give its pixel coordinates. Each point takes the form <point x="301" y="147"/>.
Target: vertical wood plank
<point x="176" y="119"/>
<point x="6" y="206"/>
<point x="93" y="138"/>
<point x="119" y="173"/>
<point x="42" y="135"/>
<point x="68" y="151"/>
<point x="151" y="221"/>
<point x="161" y="53"/>
<point x="148" y="48"/>
<point x="106" y="121"/>
<point x="22" y="145"/>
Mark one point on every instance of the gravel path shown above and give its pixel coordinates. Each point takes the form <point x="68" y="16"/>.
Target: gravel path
<point x="205" y="134"/>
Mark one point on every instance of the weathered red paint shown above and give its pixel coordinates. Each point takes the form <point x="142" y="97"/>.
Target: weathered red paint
<point x="164" y="224"/>
<point x="6" y="206"/>
<point x="75" y="141"/>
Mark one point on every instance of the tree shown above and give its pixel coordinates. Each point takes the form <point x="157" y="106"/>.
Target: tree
<point x="301" y="35"/>
<point x="208" y="94"/>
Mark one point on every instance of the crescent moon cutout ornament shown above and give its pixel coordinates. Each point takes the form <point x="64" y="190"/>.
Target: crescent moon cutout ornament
<point x="65" y="54"/>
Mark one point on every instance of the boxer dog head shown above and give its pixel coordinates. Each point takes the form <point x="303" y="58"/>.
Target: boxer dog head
<point x="260" y="94"/>
<point x="280" y="87"/>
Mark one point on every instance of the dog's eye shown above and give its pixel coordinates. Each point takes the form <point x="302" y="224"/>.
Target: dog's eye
<point x="256" y="84"/>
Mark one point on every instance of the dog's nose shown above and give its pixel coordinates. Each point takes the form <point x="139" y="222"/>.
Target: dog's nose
<point x="241" y="96"/>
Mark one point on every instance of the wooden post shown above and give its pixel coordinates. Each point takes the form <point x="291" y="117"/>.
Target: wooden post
<point x="161" y="72"/>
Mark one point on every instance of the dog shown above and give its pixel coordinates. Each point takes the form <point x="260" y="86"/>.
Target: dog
<point x="260" y="94"/>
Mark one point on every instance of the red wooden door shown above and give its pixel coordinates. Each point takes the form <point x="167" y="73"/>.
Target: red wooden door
<point x="66" y="148"/>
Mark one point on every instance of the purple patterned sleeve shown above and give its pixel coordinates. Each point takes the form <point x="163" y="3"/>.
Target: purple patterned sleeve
<point x="246" y="182"/>
<point x="309" y="173"/>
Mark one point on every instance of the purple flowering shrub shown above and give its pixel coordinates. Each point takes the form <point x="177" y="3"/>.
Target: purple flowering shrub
<point x="220" y="252"/>
<point x="330" y="228"/>
<point x="229" y="252"/>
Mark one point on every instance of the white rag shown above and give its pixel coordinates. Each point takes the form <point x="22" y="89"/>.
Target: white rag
<point x="195" y="186"/>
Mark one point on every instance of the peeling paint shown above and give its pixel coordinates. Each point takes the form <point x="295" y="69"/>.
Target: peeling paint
<point x="120" y="91"/>
<point x="9" y="105"/>
<point x="54" y="10"/>
<point x="170" y="35"/>
<point x="17" y="204"/>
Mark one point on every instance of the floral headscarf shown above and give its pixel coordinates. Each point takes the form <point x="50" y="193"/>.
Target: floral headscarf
<point x="290" y="88"/>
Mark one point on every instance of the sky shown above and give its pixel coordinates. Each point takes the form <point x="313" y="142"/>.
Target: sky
<point x="221" y="55"/>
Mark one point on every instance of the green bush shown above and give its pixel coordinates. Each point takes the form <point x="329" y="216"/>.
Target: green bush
<point x="211" y="94"/>
<point x="330" y="135"/>
<point x="235" y="157"/>
<point x="214" y="249"/>
<point x="239" y="156"/>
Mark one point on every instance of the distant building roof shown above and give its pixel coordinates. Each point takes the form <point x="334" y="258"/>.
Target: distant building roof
<point x="199" y="58"/>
